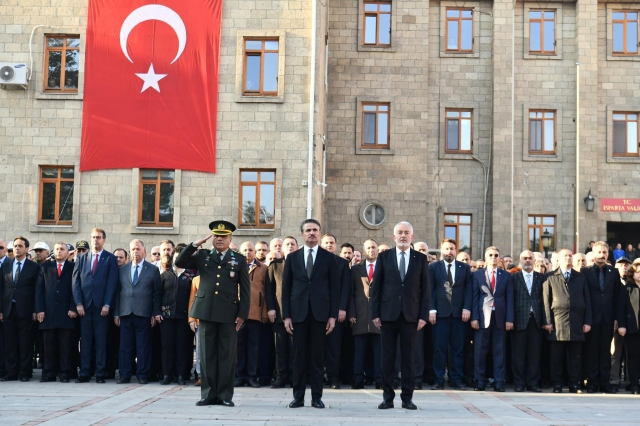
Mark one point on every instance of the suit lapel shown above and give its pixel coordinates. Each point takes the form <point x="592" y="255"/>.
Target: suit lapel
<point x="145" y="266"/>
<point x="318" y="257"/>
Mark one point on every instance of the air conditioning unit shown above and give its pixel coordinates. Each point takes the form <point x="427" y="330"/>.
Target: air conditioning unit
<point x="13" y="73"/>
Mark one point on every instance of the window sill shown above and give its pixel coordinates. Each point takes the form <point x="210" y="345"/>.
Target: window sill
<point x="630" y="58"/>
<point x="460" y="156"/>
<point x="541" y="157"/>
<point x="447" y="54"/>
<point x="260" y="99"/>
<point x="543" y="56"/>
<point x="248" y="231"/>
<point x="70" y="229"/>
<point x="155" y="230"/>
<point x="381" y="151"/>
<point x="59" y="96"/>
<point x="388" y="49"/>
<point x="628" y="160"/>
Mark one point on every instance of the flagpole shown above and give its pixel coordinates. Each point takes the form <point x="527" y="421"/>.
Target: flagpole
<point x="312" y="95"/>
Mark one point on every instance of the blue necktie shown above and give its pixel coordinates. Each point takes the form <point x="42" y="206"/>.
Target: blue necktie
<point x="135" y="275"/>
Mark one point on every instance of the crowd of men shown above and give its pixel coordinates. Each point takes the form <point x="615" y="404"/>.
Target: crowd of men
<point x="288" y="311"/>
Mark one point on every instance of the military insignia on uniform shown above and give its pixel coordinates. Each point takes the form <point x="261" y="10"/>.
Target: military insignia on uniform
<point x="233" y="262"/>
<point x="232" y="274"/>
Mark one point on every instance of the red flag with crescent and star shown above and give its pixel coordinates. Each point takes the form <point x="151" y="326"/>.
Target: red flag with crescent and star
<point x="151" y="84"/>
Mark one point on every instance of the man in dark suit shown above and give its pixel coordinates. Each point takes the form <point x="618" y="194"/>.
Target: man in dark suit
<point x="283" y="342"/>
<point x="450" y="308"/>
<point x="334" y="339"/>
<point x="567" y="318"/>
<point x="400" y="307"/>
<point x="95" y="281"/>
<point x="527" y="334"/>
<point x="310" y="299"/>
<point x="137" y="309"/>
<point x="491" y="317"/>
<point x="222" y="305"/>
<point x="17" y="311"/>
<point x="4" y="248"/>
<point x="56" y="313"/>
<point x="604" y="288"/>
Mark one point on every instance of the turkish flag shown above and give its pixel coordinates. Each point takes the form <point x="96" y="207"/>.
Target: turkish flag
<point x="151" y="84"/>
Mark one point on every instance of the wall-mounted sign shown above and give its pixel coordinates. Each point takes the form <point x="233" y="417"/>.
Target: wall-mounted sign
<point x="620" y="205"/>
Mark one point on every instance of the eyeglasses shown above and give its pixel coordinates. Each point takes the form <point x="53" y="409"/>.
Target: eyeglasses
<point x="155" y="254"/>
<point x="493" y="255"/>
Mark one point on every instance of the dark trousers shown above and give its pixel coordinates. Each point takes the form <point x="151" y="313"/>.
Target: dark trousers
<point x="309" y="338"/>
<point x="218" y="344"/>
<point x="598" y="342"/>
<point x="469" y="357"/>
<point x="487" y="338"/>
<point x="346" y="354"/>
<point x="247" y="354"/>
<point x="428" y="374"/>
<point x="58" y="357"/>
<point x="266" y="360"/>
<point x="135" y="334"/>
<point x="177" y="347"/>
<point x="284" y="351"/>
<point x="418" y="356"/>
<point x="93" y="330"/>
<point x="525" y="354"/>
<point x="632" y="345"/>
<point x="19" y="335"/>
<point x="332" y="351"/>
<point x="361" y="343"/>
<point x="389" y="333"/>
<point x="448" y="333"/>
<point x="573" y="351"/>
<point x="113" y="348"/>
<point x="3" y="368"/>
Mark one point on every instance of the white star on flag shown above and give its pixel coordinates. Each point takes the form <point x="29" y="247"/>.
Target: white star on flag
<point x="151" y="79"/>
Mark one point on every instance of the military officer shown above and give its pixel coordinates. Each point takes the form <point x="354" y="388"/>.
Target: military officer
<point x="222" y="305"/>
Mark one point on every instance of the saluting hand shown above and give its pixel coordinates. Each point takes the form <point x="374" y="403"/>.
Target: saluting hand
<point x="202" y="241"/>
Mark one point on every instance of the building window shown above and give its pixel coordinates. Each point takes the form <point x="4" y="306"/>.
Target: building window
<point x="458" y="228"/>
<point x="542" y="234"/>
<point x="625" y="32"/>
<point x="377" y="24"/>
<point x="459" y="138"/>
<point x="374" y="214"/>
<point x="61" y="63"/>
<point x="56" y="195"/>
<point x="542" y="32"/>
<point x="261" y="67"/>
<point x="625" y="134"/>
<point x="375" y="125"/>
<point x="257" y="198"/>
<point x="542" y="132"/>
<point x="459" y="30"/>
<point x="156" y="197"/>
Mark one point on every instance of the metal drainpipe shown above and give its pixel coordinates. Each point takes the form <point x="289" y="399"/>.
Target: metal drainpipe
<point x="312" y="95"/>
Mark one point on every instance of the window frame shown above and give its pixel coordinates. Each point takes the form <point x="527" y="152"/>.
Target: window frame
<point x="555" y="131"/>
<point x="613" y="129"/>
<point x="460" y="19"/>
<point x="624" y="53"/>
<point x="257" y="183"/>
<point x="446" y="131"/>
<point x="541" y="227"/>
<point x="142" y="181"/>
<point x="377" y="14"/>
<point x="57" y="181"/>
<point x="457" y="225"/>
<point x="376" y="145"/>
<point x="246" y="53"/>
<point x="63" y="59"/>
<point x="542" y="20"/>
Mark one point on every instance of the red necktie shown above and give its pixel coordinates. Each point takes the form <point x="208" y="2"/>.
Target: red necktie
<point x="59" y="269"/>
<point x="370" y="272"/>
<point x="95" y="264"/>
<point x="493" y="282"/>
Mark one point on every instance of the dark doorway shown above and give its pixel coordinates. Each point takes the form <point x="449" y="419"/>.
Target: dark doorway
<point x="623" y="233"/>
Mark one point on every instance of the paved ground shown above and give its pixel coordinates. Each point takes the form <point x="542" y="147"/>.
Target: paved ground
<point x="35" y="403"/>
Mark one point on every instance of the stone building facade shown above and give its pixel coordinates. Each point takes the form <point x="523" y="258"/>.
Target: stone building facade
<point x="494" y="187"/>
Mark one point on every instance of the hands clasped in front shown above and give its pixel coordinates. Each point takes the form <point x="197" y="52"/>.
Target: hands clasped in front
<point x="288" y="325"/>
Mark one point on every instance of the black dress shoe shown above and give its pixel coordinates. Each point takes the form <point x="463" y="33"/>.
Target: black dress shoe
<point x="99" y="379"/>
<point x="317" y="403"/>
<point x="82" y="379"/>
<point x="166" y="380"/>
<point x="519" y="388"/>
<point x="574" y="389"/>
<point x="357" y="385"/>
<point x="437" y="386"/>
<point x="254" y="383"/>
<point x="124" y="380"/>
<point x="635" y="390"/>
<point x="417" y="386"/>
<point x="278" y="383"/>
<point x="385" y="405"/>
<point x="479" y="388"/>
<point x="592" y="389"/>
<point x="458" y="386"/>
<point x="334" y="384"/>
<point x="498" y="388"/>
<point x="534" y="389"/>
<point x="607" y="389"/>
<point x="9" y="379"/>
<point x="296" y="403"/>
<point x="24" y="379"/>
<point x="238" y="383"/>
<point x="45" y="379"/>
<point x="204" y="402"/>
<point x="557" y="389"/>
<point x="409" y="405"/>
<point x="615" y="388"/>
<point x="181" y="381"/>
<point x="143" y="381"/>
<point x="64" y="378"/>
<point x="378" y="385"/>
<point x="226" y="403"/>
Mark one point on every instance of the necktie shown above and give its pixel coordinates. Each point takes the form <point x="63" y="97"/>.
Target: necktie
<point x="493" y="281"/>
<point x="449" y="276"/>
<point x="17" y="277"/>
<point x="220" y="255"/>
<point x="249" y="267"/>
<point x="566" y="275"/>
<point x="95" y="264"/>
<point x="135" y="275"/>
<point x="402" y="266"/>
<point x="601" y="279"/>
<point x="309" y="263"/>
<point x="59" y="269"/>
<point x="528" y="283"/>
<point x="370" y="276"/>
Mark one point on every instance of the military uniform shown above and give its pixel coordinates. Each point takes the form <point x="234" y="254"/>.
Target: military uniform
<point x="222" y="296"/>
